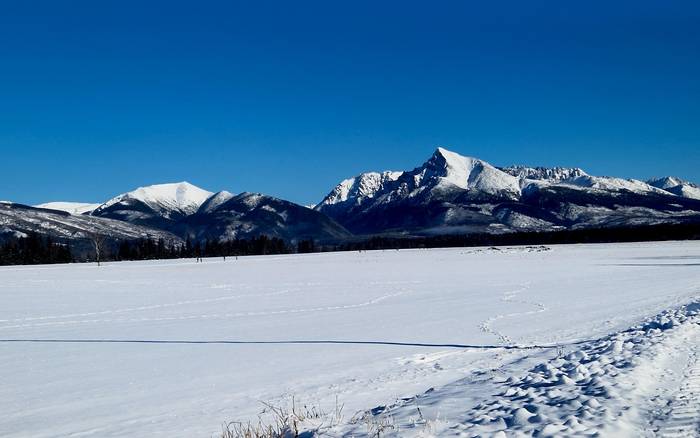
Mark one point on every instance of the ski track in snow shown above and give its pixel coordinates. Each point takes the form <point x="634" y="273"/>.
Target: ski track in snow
<point x="683" y="419"/>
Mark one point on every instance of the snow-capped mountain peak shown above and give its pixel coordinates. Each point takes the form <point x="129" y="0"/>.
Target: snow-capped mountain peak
<point x="182" y="197"/>
<point x="468" y="173"/>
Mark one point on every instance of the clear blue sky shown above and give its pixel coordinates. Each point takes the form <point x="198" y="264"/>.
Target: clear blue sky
<point x="287" y="98"/>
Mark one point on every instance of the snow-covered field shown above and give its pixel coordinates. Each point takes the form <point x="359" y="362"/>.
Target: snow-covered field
<point x="176" y="348"/>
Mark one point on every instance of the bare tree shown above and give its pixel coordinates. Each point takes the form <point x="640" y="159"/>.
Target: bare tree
<point x="98" y="241"/>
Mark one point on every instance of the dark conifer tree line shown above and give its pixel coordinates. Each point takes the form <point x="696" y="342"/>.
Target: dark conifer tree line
<point x="690" y="231"/>
<point x="34" y="249"/>
<point x="37" y="249"/>
<point x="157" y="249"/>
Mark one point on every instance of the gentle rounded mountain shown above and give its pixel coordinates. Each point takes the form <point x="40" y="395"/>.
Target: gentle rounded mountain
<point x="170" y="201"/>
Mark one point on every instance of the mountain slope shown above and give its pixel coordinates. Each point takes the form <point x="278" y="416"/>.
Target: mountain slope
<point x="249" y="215"/>
<point x="17" y="220"/>
<point x="214" y="201"/>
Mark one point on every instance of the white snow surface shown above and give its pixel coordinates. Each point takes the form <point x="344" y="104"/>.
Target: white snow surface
<point x="183" y="197"/>
<point x="70" y="207"/>
<point x="417" y="343"/>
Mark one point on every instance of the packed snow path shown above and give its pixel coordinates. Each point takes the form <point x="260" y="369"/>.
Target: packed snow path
<point x="683" y="419"/>
<point x="176" y="348"/>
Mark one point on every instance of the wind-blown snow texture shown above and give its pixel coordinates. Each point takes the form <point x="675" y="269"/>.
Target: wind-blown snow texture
<point x="376" y="330"/>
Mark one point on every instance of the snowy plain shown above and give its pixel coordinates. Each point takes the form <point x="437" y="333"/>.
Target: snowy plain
<point x="421" y="337"/>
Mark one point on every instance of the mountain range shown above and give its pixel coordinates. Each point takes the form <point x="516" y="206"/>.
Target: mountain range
<point x="451" y="193"/>
<point x="447" y="194"/>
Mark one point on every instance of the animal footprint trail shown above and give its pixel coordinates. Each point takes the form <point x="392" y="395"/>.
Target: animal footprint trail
<point x="511" y="296"/>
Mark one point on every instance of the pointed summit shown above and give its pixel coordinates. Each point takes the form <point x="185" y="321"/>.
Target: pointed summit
<point x="469" y="173"/>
